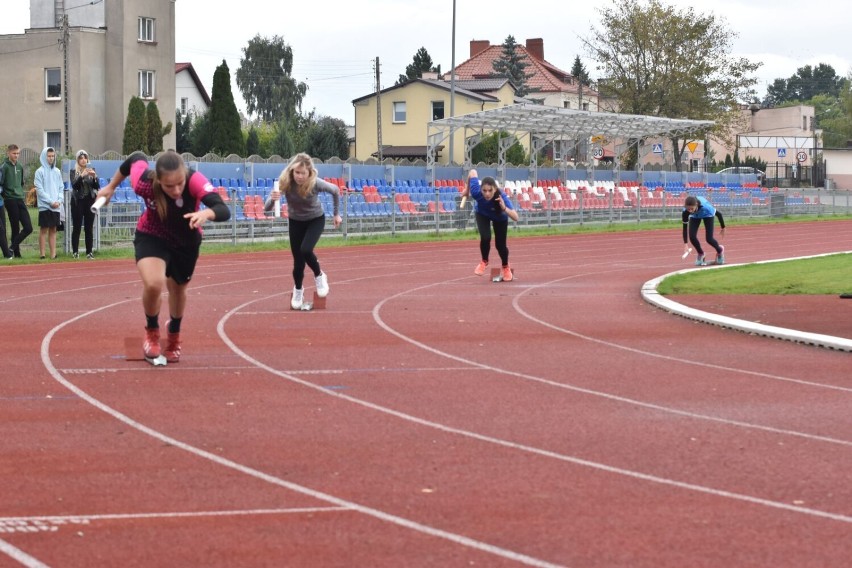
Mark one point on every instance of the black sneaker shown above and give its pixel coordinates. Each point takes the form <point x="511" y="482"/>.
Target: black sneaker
<point x="75" y="254"/>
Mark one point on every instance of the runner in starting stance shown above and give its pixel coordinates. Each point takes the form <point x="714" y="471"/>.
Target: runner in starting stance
<point x="168" y="237"/>
<point x="696" y="210"/>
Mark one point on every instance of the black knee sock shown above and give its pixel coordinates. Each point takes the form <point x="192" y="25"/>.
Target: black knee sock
<point x="153" y="321"/>
<point x="174" y="325"/>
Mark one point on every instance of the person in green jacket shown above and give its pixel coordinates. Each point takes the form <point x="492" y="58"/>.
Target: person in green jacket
<point x="12" y="174"/>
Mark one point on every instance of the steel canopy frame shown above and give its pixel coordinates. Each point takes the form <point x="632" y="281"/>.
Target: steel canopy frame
<point x="546" y="123"/>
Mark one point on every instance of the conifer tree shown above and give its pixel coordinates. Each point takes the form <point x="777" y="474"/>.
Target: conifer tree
<point x="135" y="128"/>
<point x="512" y="65"/>
<point x="226" y="136"/>
<point x="154" y="131"/>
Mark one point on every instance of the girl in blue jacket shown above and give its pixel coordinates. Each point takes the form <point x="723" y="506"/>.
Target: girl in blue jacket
<point x="492" y="208"/>
<point x="696" y="210"/>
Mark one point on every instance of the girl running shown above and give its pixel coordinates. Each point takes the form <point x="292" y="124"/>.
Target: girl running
<point x="301" y="187"/>
<point x="168" y="237"/>
<point x="491" y="209"/>
<point x="696" y="210"/>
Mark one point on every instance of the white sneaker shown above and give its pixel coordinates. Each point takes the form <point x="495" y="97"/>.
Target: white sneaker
<point x="322" y="285"/>
<point x="296" y="300"/>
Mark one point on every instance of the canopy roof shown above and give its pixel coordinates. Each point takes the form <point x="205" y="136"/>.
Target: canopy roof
<point x="551" y="122"/>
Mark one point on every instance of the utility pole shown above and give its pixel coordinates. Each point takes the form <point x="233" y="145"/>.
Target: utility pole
<point x="63" y="45"/>
<point x="453" y="85"/>
<point x="379" y="110"/>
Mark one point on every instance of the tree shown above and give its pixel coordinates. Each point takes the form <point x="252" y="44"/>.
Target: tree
<point x="135" y="129"/>
<point x="511" y="65"/>
<point x="326" y="138"/>
<point x="154" y="130"/>
<point x="266" y="82"/>
<point x="487" y="150"/>
<point x="252" y="142"/>
<point x="226" y="137"/>
<point x="199" y="136"/>
<point x="661" y="61"/>
<point x="578" y="71"/>
<point x="283" y="144"/>
<point x="183" y="127"/>
<point x="422" y="63"/>
<point x="804" y="85"/>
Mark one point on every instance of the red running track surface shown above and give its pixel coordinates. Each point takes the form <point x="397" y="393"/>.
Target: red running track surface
<point x="427" y="417"/>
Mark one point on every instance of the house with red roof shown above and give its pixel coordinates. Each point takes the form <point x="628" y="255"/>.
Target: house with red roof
<point x="547" y="84"/>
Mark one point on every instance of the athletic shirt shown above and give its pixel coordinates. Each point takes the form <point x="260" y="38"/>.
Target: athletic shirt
<point x="486" y="206"/>
<point x="705" y="210"/>
<point x="309" y="207"/>
<point x="175" y="229"/>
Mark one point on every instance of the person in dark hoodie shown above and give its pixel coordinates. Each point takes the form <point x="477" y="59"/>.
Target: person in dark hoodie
<point x="50" y="199"/>
<point x="12" y="176"/>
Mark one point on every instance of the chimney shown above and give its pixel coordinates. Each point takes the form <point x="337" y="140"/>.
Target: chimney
<point x="535" y="47"/>
<point x="477" y="46"/>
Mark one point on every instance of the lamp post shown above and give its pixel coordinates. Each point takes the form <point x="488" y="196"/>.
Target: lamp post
<point x="453" y="83"/>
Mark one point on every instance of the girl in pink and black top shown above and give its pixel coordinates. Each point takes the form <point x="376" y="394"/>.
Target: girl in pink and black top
<point x="168" y="237"/>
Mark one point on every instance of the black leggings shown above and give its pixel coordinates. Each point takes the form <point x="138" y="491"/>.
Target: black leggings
<point x="20" y="223"/>
<point x="82" y="218"/>
<point x="694" y="223"/>
<point x="304" y="236"/>
<point x="501" y="229"/>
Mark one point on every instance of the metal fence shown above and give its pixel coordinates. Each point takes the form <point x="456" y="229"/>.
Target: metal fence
<point x="439" y="210"/>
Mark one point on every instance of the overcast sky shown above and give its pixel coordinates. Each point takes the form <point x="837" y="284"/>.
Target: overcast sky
<point x="335" y="42"/>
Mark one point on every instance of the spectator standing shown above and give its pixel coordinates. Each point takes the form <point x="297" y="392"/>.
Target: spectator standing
<point x="84" y="187"/>
<point x="50" y="199"/>
<point x="13" y="197"/>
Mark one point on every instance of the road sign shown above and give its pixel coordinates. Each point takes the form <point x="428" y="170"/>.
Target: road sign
<point x="692" y="146"/>
<point x="802" y="157"/>
<point x="657" y="148"/>
<point x="782" y="152"/>
<point x="598" y="153"/>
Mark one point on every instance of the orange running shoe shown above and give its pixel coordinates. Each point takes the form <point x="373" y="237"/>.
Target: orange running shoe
<point x="481" y="267"/>
<point x="172" y="352"/>
<point x="151" y="346"/>
<point x="507" y="274"/>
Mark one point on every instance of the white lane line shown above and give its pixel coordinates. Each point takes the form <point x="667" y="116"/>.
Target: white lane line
<point x="530" y="449"/>
<point x="22" y="557"/>
<point x="271" y="479"/>
<point x="58" y="520"/>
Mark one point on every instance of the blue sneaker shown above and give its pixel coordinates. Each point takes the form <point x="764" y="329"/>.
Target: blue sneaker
<point x="720" y="258"/>
<point x="700" y="261"/>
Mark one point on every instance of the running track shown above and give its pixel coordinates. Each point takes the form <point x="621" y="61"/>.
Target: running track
<point x="427" y="418"/>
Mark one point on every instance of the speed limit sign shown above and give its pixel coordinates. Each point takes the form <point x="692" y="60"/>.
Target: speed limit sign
<point x="598" y="153"/>
<point x="802" y="157"/>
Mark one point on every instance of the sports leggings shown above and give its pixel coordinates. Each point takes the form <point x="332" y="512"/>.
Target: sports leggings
<point x="501" y="228"/>
<point x="694" y="223"/>
<point x="304" y="236"/>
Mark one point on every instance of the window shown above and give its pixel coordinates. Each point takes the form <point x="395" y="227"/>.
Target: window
<point x="184" y="105"/>
<point x="399" y="112"/>
<point x="53" y="84"/>
<point x="804" y="123"/>
<point x="146" y="29"/>
<point x="566" y="104"/>
<point x="812" y="123"/>
<point x="146" y="84"/>
<point x="437" y="110"/>
<point x="53" y="138"/>
<point x="585" y="106"/>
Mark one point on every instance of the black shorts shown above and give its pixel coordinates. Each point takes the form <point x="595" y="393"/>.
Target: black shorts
<point x="48" y="218"/>
<point x="180" y="261"/>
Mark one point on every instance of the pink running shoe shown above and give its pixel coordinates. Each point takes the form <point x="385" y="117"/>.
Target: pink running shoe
<point x="481" y="267"/>
<point x="151" y="346"/>
<point x="507" y="274"/>
<point x="172" y="351"/>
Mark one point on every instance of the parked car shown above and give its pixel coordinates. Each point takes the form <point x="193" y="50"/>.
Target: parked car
<point x="744" y="170"/>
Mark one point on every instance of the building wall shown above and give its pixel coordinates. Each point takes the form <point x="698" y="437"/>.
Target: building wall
<point x="414" y="131"/>
<point x="186" y="87"/>
<point x="838" y="167"/>
<point x="103" y="65"/>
